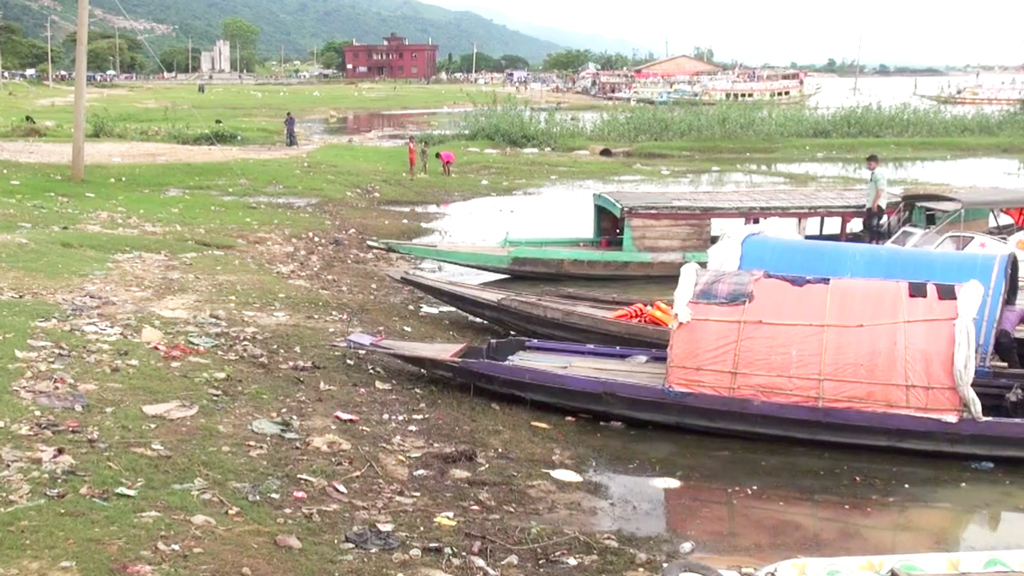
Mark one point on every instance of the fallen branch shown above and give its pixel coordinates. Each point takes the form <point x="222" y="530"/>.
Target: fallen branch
<point x="372" y="463"/>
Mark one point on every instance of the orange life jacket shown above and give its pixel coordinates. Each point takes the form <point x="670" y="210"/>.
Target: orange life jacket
<point x="630" y="313"/>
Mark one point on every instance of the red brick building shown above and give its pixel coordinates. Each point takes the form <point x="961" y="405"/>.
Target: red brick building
<point x="396" y="58"/>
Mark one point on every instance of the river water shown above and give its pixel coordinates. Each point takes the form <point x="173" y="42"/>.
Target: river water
<point x="753" y="502"/>
<point x="565" y="209"/>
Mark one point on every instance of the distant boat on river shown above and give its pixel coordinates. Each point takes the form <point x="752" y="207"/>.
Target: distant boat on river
<point x="747" y="86"/>
<point x="1005" y="95"/>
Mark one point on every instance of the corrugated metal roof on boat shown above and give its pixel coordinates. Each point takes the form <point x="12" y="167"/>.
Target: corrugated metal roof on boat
<point x="753" y="202"/>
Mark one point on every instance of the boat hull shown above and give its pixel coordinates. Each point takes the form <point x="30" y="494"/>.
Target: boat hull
<point x="961" y="100"/>
<point x="994" y="438"/>
<point x="539" y="317"/>
<point x="547" y="263"/>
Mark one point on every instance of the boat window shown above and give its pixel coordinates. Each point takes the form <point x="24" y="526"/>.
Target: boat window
<point x="903" y="237"/>
<point x="954" y="243"/>
<point x="787" y="93"/>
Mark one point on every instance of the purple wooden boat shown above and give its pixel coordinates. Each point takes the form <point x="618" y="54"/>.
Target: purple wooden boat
<point x="873" y="363"/>
<point x="605" y="381"/>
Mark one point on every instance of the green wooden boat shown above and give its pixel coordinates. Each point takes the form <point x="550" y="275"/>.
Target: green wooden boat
<point x="637" y="234"/>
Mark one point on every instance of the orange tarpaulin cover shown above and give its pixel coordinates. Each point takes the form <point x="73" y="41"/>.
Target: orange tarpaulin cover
<point x="853" y="344"/>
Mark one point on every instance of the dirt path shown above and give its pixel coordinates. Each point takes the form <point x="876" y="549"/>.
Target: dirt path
<point x="139" y="152"/>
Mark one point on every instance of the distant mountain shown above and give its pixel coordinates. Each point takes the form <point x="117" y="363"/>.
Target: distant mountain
<point x="594" y="42"/>
<point x="298" y="25"/>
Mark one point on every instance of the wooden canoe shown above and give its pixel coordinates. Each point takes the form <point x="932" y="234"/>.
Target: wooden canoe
<point x="566" y="319"/>
<point x="627" y="384"/>
<point x="549" y="262"/>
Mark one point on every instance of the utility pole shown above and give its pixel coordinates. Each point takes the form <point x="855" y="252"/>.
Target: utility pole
<point x="666" y="47"/>
<point x="1" y="54"/>
<point x="49" y="51"/>
<point x="81" y="70"/>
<point x="117" y="53"/>
<point x="314" y="56"/>
<point x="474" y="58"/>
<point x="239" y="58"/>
<point x="856" y="74"/>
<point x="282" y="60"/>
<point x="189" y="58"/>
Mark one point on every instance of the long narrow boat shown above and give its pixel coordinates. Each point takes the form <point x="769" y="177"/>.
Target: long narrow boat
<point x="637" y="234"/>
<point x="573" y="316"/>
<point x="867" y="363"/>
<point x="571" y="320"/>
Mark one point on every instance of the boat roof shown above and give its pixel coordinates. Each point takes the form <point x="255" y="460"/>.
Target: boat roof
<point x="992" y="198"/>
<point x="736" y="203"/>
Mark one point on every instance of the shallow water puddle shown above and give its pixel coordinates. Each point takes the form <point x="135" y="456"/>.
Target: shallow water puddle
<point x="766" y="501"/>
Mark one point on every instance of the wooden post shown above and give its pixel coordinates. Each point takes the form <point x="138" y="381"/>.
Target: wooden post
<point x="49" y="51"/>
<point x="842" y="228"/>
<point x="282" y="61"/>
<point x="189" y="57"/>
<point x="81" y="70"/>
<point x="1" y="56"/>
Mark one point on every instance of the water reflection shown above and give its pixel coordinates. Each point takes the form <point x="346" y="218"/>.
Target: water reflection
<point x="994" y="172"/>
<point x="763" y="502"/>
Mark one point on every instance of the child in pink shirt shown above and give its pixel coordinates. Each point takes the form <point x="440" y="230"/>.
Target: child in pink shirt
<point x="447" y="159"/>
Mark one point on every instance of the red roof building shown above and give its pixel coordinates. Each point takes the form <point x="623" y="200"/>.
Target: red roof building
<point x="396" y="58"/>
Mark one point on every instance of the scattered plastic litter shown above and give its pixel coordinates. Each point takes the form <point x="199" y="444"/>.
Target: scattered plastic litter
<point x="687" y="548"/>
<point x="176" y="352"/>
<point x="983" y="465"/>
<point x="127" y="492"/>
<point x="382" y="385"/>
<point x="345" y="417"/>
<point x="203" y="341"/>
<point x="329" y="443"/>
<point x="564" y="475"/>
<point x="175" y="410"/>
<point x="279" y="427"/>
<point x="66" y="399"/>
<point x="200" y="520"/>
<point x="479" y="563"/>
<point x="288" y="541"/>
<point x="540" y="425"/>
<point x="446" y="520"/>
<point x="151" y="336"/>
<point x="373" y="539"/>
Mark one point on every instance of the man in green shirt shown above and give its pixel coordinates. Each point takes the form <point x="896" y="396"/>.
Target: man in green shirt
<point x="874" y="207"/>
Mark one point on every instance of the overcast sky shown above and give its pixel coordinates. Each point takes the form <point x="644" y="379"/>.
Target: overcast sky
<point x="781" y="31"/>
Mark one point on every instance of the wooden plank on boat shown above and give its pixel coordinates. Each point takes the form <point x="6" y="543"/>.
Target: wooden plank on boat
<point x="753" y="202"/>
<point x="428" y="350"/>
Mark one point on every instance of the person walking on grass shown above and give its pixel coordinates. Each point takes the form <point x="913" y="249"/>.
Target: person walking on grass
<point x="874" y="208"/>
<point x="289" y="130"/>
<point x="447" y="159"/>
<point x="412" y="157"/>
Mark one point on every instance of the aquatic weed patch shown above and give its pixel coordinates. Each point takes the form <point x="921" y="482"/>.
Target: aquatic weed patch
<point x="517" y="125"/>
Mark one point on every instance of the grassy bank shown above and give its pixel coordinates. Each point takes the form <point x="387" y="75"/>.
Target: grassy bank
<point x="178" y="113"/>
<point x="515" y="125"/>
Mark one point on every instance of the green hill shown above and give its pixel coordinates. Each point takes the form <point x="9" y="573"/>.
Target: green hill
<point x="298" y="25"/>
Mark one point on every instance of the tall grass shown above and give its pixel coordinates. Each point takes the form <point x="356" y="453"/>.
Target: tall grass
<point x="516" y="125"/>
<point x="103" y="125"/>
